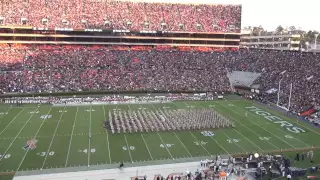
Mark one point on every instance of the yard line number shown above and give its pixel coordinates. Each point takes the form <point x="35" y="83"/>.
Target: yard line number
<point x="92" y="150"/>
<point x="233" y="140"/>
<point x="51" y="153"/>
<point x="90" y="110"/>
<point x="34" y="112"/>
<point x="47" y="116"/>
<point x="5" y="156"/>
<point x="62" y="111"/>
<point x="125" y="148"/>
<point x="166" y="145"/>
<point x="264" y="138"/>
<point x="288" y="136"/>
<point x="200" y="143"/>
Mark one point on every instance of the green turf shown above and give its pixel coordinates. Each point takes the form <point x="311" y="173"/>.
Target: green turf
<point x="63" y="139"/>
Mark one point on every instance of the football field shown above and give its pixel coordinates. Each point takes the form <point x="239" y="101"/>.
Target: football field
<point x="61" y="135"/>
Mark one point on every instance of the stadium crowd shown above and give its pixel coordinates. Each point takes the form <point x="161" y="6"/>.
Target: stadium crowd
<point x="84" y="68"/>
<point x="122" y="15"/>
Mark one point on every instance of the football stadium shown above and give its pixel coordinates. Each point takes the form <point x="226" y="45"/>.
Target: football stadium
<point x="150" y="90"/>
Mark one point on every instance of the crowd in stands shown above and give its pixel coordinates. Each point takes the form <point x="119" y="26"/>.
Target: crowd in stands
<point x="90" y="68"/>
<point x="122" y="15"/>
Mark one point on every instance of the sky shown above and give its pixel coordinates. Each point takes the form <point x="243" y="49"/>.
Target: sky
<point x="304" y="15"/>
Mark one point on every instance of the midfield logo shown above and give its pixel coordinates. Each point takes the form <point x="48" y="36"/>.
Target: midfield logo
<point x="31" y="144"/>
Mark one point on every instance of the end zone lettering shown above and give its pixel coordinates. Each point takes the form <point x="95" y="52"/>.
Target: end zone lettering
<point x="288" y="126"/>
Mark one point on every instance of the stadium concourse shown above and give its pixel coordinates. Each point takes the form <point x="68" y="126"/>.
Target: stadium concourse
<point x="44" y="68"/>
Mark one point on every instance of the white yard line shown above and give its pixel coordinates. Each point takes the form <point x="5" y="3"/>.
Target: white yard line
<point x="249" y="140"/>
<point x="193" y="134"/>
<point x="200" y="144"/>
<point x="55" y="131"/>
<point x="74" y="124"/>
<point x="16" y="136"/>
<point x="25" y="155"/>
<point x="144" y="141"/>
<point x="146" y="146"/>
<point x="161" y="139"/>
<point x="177" y="137"/>
<point x="165" y="146"/>
<point x="104" y="113"/>
<point x="89" y="149"/>
<point x="183" y="144"/>
<point x="234" y="143"/>
<point x="257" y="124"/>
<point x="11" y="121"/>
<point x="220" y="145"/>
<point x="128" y="147"/>
<point x="217" y="141"/>
<point x="296" y="138"/>
<point x="249" y="130"/>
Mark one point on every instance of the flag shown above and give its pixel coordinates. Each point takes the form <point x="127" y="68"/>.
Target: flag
<point x="272" y="90"/>
<point x="312" y="177"/>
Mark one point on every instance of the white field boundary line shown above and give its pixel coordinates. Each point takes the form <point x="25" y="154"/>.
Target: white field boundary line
<point x="284" y="117"/>
<point x="11" y="121"/>
<point x="176" y="135"/>
<point x="162" y="141"/>
<point x="258" y="125"/>
<point x="194" y="136"/>
<point x="212" y="137"/>
<point x="25" y="155"/>
<point x="144" y="140"/>
<point x="74" y="124"/>
<point x="54" y="134"/>
<point x="43" y="137"/>
<point x="104" y="113"/>
<point x="234" y="143"/>
<point x="250" y="130"/>
<point x="17" y="136"/>
<point x="296" y="138"/>
<point x="89" y="148"/>
<point x="128" y="147"/>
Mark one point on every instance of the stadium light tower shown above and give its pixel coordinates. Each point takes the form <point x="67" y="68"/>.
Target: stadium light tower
<point x="315" y="40"/>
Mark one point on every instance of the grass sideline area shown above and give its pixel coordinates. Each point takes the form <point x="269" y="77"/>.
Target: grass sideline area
<point x="62" y="135"/>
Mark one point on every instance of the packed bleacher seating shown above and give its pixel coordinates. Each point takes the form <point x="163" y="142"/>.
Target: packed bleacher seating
<point x="88" y="68"/>
<point x="122" y="15"/>
<point x="300" y="69"/>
